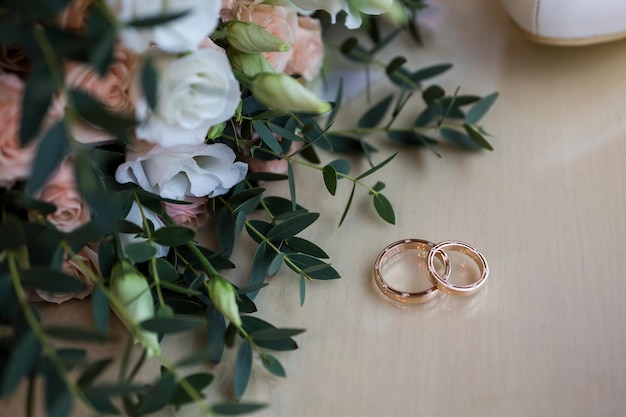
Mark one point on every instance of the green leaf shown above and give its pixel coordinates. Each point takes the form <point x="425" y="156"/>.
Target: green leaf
<point x="77" y="334"/>
<point x="430" y="72"/>
<point x="139" y="252"/>
<point x="478" y="110"/>
<point x="267" y="136"/>
<point x="260" y="264"/>
<point x="93" y="371"/>
<point x="459" y="138"/>
<point x="292" y="226"/>
<point x="12" y="235"/>
<point x="22" y="361"/>
<point x="477" y="137"/>
<point x="216" y="329"/>
<point x="273" y="365"/>
<point x="50" y="280"/>
<point x="50" y="152"/>
<point x="102" y="32"/>
<point x="375" y="114"/>
<point x="174" y="324"/>
<point x="111" y="390"/>
<point x="342" y="166"/>
<point x="166" y="270"/>
<point x="432" y="93"/>
<point x="312" y="267"/>
<point x="330" y="179"/>
<point x="302" y="289"/>
<point x="236" y="408"/>
<point x="272" y="334"/>
<point x="149" y="82"/>
<point x="348" y="204"/>
<point x="351" y="49"/>
<point x="100" y="310"/>
<point x="37" y="97"/>
<point x="243" y="368"/>
<point x="384" y="208"/>
<point x="198" y="381"/>
<point x="225" y="231"/>
<point x="337" y="106"/>
<point x="94" y="193"/>
<point x="275" y="264"/>
<point x="298" y="244"/>
<point x="57" y="396"/>
<point x="159" y="394"/>
<point x="292" y="185"/>
<point x="95" y="113"/>
<point x="377" y="167"/>
<point x="252" y="324"/>
<point x="156" y="20"/>
<point x="102" y="405"/>
<point x="173" y="235"/>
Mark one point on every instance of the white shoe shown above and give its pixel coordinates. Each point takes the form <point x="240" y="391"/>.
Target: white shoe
<point x="569" y="22"/>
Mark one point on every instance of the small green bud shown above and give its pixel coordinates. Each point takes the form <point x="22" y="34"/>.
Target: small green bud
<point x="216" y="131"/>
<point x="249" y="64"/>
<point x="224" y="298"/>
<point x="280" y="91"/>
<point x="132" y="290"/>
<point x="251" y="38"/>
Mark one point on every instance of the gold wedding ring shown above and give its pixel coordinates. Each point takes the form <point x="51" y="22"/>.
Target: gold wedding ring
<point x="401" y="246"/>
<point x="442" y="282"/>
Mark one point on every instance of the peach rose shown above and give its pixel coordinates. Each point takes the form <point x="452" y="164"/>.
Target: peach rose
<point x="15" y="161"/>
<point x="194" y="215"/>
<point x="280" y="21"/>
<point x="87" y="258"/>
<point x="273" y="166"/>
<point x="74" y="16"/>
<point x="308" y="50"/>
<point x="60" y="190"/>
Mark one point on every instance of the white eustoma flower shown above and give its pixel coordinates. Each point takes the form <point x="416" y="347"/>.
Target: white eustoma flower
<point x="195" y="92"/>
<point x="182" y="34"/>
<point x="197" y="170"/>
<point x="134" y="216"/>
<point x="353" y="8"/>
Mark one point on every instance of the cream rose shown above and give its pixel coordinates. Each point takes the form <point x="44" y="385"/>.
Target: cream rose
<point x="175" y="36"/>
<point x="60" y="190"/>
<point x="280" y="21"/>
<point x="353" y="8"/>
<point x="135" y="216"/>
<point x="193" y="215"/>
<point x="196" y="92"/>
<point x="196" y="170"/>
<point x="308" y="50"/>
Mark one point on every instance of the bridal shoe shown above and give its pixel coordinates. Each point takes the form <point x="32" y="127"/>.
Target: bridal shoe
<point x="569" y="22"/>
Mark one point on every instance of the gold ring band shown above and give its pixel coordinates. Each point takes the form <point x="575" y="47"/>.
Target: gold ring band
<point x="442" y="281"/>
<point x="400" y="246"/>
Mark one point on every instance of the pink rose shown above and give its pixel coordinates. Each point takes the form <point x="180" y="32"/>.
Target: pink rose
<point x="81" y="266"/>
<point x="308" y="50"/>
<point x="280" y="21"/>
<point x="74" y="16"/>
<point x="194" y="215"/>
<point x="71" y="212"/>
<point x="15" y="161"/>
<point x="273" y="166"/>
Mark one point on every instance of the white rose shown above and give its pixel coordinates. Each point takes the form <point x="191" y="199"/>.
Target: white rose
<point x="353" y="8"/>
<point x="196" y="92"/>
<point x="197" y="170"/>
<point x="134" y="216"/>
<point x="184" y="33"/>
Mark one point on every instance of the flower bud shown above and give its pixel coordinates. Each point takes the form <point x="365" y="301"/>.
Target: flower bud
<point x="132" y="290"/>
<point x="216" y="131"/>
<point x="249" y="64"/>
<point x="251" y="38"/>
<point x="279" y="91"/>
<point x="224" y="298"/>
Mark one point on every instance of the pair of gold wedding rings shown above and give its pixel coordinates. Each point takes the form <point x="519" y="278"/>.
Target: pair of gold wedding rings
<point x="440" y="281"/>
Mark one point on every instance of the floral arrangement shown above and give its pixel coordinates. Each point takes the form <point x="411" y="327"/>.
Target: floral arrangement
<point x="127" y="125"/>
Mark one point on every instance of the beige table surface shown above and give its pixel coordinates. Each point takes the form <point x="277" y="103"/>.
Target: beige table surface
<point x="547" y="337"/>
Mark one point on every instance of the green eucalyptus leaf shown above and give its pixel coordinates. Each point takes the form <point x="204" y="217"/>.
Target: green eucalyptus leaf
<point x="258" y="226"/>
<point x="96" y="113"/>
<point x="312" y="267"/>
<point x="93" y="191"/>
<point x="50" y="153"/>
<point x="378" y="186"/>
<point x="243" y="368"/>
<point x="384" y="208"/>
<point x="100" y="310"/>
<point x="50" y="280"/>
<point x="298" y="244"/>
<point x="93" y="371"/>
<point x="477" y="137"/>
<point x="198" y="381"/>
<point x="236" y="408"/>
<point x="102" y="32"/>
<point x="260" y="264"/>
<point x="102" y="405"/>
<point x="292" y="185"/>
<point x="149" y="82"/>
<point x="240" y="221"/>
<point x="275" y="264"/>
<point x="292" y="226"/>
<point x="174" y="324"/>
<point x="113" y="390"/>
<point x="377" y="167"/>
<point x="12" y="235"/>
<point x="432" y="93"/>
<point x="348" y="204"/>
<point x="478" y="110"/>
<point x="273" y="365"/>
<point x="374" y="115"/>
<point x="173" y="235"/>
<point x="330" y="179"/>
<point x="159" y="394"/>
<point x="225" y="231"/>
<point x="166" y="270"/>
<point x="77" y="334"/>
<point x="337" y="106"/>
<point x="40" y="88"/>
<point x="279" y="205"/>
<point x="267" y="335"/>
<point x="156" y="20"/>
<point x="266" y="136"/>
<point x="23" y="359"/>
<point x="302" y="289"/>
<point x="351" y="49"/>
<point x="139" y="252"/>
<point x="430" y="72"/>
<point x="58" y="398"/>
<point x="341" y="165"/>
<point x="266" y="176"/>
<point x="216" y="329"/>
<point x="459" y="138"/>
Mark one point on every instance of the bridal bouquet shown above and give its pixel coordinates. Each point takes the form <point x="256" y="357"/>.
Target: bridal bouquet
<point x="127" y="125"/>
